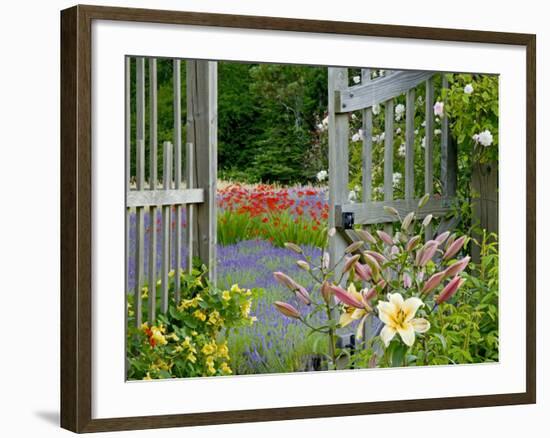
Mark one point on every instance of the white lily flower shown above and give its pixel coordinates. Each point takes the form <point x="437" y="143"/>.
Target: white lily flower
<point x="398" y="316"/>
<point x="468" y="89"/>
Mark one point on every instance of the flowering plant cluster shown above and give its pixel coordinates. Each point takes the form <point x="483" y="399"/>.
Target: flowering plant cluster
<point x="398" y="280"/>
<point x="272" y="213"/>
<point x="190" y="339"/>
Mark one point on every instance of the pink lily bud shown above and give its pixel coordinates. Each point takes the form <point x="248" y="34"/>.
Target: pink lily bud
<point x="377" y="288"/>
<point x="454" y="248"/>
<point x="345" y="297"/>
<point x="449" y="290"/>
<point x="427" y="220"/>
<point x="287" y="309"/>
<point x="326" y="292"/>
<point x="285" y="280"/>
<point x="350" y="261"/>
<point x="354" y="246"/>
<point x="442" y="237"/>
<point x="450" y="240"/>
<point x="303" y="265"/>
<point x="362" y="271"/>
<point x="407" y="280"/>
<point x="391" y="210"/>
<point x="407" y="221"/>
<point x="377" y="256"/>
<point x="303" y="295"/>
<point x="433" y="282"/>
<point x="385" y="237"/>
<point x="420" y="276"/>
<point x="394" y="251"/>
<point x="412" y="244"/>
<point x="373" y="265"/>
<point x="365" y="236"/>
<point x="325" y="262"/>
<point x="423" y="200"/>
<point x="428" y="251"/>
<point x="293" y="247"/>
<point x="457" y="267"/>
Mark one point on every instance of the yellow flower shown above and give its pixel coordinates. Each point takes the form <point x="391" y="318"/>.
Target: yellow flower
<point x="253" y="319"/>
<point x="352" y="313"/>
<point x="235" y="288"/>
<point x="199" y="314"/>
<point x="194" y="333"/>
<point x="209" y="349"/>
<point x="172" y="336"/>
<point x="214" y="318"/>
<point x="245" y="308"/>
<point x="144" y="326"/>
<point x="398" y="316"/>
<point x="164" y="365"/>
<point x="144" y="292"/>
<point x="223" y="351"/>
<point x="148" y="377"/>
<point x="225" y="369"/>
<point x="226" y="296"/>
<point x="186" y="304"/>
<point x="157" y="335"/>
<point x="171" y="273"/>
<point x="191" y="358"/>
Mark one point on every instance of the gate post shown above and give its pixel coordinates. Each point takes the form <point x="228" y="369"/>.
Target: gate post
<point x="202" y="133"/>
<point x="484" y="186"/>
<point x="338" y="159"/>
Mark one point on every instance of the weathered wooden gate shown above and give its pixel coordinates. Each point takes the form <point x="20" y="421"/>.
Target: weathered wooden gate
<point x="188" y="184"/>
<point x="344" y="99"/>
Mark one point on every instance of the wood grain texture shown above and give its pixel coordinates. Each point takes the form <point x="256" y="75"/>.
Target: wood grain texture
<point x="379" y="90"/>
<point x="76" y="224"/>
<point x="202" y="121"/>
<point x="373" y="212"/>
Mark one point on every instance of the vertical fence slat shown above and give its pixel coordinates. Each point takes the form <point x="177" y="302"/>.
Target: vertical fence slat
<point x="177" y="173"/>
<point x="140" y="234"/>
<point x="367" y="144"/>
<point x="202" y="117"/>
<point x="428" y="145"/>
<point x="140" y="168"/>
<point x="153" y="160"/>
<point x="165" y="263"/>
<point x="409" y="144"/>
<point x="448" y="153"/>
<point x="190" y="208"/>
<point x="388" y="156"/>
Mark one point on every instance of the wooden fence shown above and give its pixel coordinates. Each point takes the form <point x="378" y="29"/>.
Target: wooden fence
<point x="188" y="180"/>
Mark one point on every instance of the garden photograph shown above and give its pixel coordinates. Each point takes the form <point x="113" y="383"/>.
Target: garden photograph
<point x="293" y="218"/>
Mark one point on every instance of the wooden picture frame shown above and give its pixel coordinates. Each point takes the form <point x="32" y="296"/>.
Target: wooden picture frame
<point x="76" y="217"/>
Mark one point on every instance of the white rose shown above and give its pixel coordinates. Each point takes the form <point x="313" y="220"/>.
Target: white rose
<point x="401" y="150"/>
<point x="376" y="109"/>
<point x="485" y="138"/>
<point x="396" y="177"/>
<point x="357" y="79"/>
<point x="439" y="108"/>
<point x="468" y="89"/>
<point x="399" y="110"/>
<point x="322" y="175"/>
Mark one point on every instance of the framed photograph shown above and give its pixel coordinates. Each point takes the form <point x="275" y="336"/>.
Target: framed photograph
<point x="269" y="218"/>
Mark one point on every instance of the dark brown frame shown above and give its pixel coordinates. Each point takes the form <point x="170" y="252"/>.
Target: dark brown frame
<point x="76" y="218"/>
